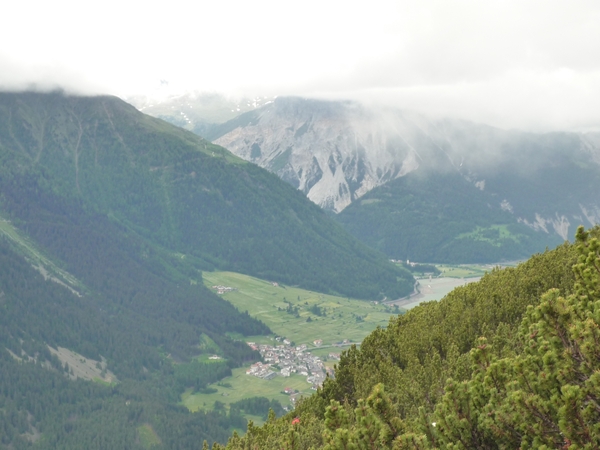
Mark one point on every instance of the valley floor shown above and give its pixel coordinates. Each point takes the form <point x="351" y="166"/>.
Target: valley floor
<point x="307" y="325"/>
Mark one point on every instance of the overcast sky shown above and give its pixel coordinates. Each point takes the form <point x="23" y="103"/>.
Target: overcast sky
<point x="514" y="64"/>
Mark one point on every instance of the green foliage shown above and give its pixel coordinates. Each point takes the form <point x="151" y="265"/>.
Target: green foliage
<point x="317" y="310"/>
<point x="258" y="406"/>
<point x="422" y="348"/>
<point x="37" y="400"/>
<point x="198" y="375"/>
<point x="375" y="424"/>
<point x="548" y="393"/>
<point x="508" y="362"/>
<point x="39" y="403"/>
<point x="421" y="268"/>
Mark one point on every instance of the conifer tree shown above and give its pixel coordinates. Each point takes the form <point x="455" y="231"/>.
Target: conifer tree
<point x="548" y="395"/>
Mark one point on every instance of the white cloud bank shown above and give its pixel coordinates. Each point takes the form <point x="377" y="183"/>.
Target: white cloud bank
<point x="532" y="65"/>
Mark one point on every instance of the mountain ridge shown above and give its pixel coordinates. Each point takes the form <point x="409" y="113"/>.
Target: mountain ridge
<point x="338" y="152"/>
<point x="176" y="189"/>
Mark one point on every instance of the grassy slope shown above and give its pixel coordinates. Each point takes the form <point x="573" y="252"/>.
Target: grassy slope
<point x="246" y="386"/>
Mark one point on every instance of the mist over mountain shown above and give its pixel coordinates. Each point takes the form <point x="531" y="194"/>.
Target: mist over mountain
<point x="336" y="152"/>
<point x="195" y="111"/>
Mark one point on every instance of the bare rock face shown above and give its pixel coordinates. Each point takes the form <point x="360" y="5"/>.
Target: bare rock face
<point x="334" y="152"/>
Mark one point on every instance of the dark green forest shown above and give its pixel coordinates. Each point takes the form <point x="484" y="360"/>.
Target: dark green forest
<point x="440" y="217"/>
<point x="37" y="401"/>
<point x="509" y="362"/>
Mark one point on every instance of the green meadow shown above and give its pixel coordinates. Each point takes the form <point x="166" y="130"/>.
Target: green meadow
<point x="463" y="270"/>
<point x="240" y="386"/>
<point x="470" y="270"/>
<point x="294" y="313"/>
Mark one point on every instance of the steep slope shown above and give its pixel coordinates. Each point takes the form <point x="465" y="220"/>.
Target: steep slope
<point x="333" y="151"/>
<point x="439" y="217"/>
<point x="336" y="152"/>
<point x="107" y="218"/>
<point x="45" y="399"/>
<point x="173" y="189"/>
<point x="510" y="361"/>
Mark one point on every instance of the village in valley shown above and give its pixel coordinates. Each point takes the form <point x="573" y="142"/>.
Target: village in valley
<point x="286" y="359"/>
<point x="317" y="327"/>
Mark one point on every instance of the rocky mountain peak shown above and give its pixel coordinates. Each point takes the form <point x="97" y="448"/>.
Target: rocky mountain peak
<point x="334" y="152"/>
<point x="338" y="151"/>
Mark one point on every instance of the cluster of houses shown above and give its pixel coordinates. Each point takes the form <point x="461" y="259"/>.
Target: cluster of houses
<point x="261" y="370"/>
<point x="223" y="289"/>
<point x="288" y="359"/>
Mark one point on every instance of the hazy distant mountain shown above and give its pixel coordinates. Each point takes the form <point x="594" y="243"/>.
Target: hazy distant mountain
<point x="336" y="152"/>
<point x="196" y="111"/>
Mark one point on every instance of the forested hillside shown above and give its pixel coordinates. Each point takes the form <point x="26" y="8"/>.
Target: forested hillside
<point x="509" y="362"/>
<point x="173" y="189"/>
<point x="107" y="218"/>
<point x="439" y="217"/>
<point x="138" y="339"/>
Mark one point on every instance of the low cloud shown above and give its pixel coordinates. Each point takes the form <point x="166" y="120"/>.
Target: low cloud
<point x="529" y="65"/>
<point x="29" y="75"/>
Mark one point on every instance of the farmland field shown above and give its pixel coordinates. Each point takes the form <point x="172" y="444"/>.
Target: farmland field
<point x="293" y="313"/>
<point x="241" y="386"/>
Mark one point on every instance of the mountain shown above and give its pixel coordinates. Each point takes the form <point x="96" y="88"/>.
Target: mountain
<point x="337" y="153"/>
<point x="170" y="188"/>
<point x="440" y="218"/>
<point x="96" y="365"/>
<point x="107" y="219"/>
<point x="195" y="111"/>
